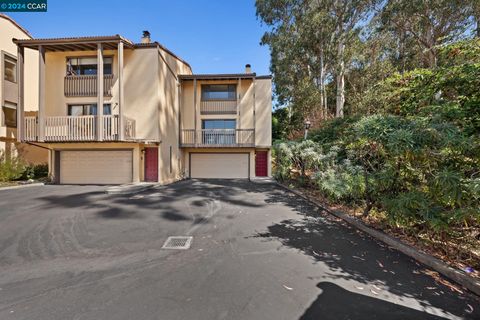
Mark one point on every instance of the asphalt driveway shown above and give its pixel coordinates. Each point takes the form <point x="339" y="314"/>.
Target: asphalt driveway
<point x="258" y="252"/>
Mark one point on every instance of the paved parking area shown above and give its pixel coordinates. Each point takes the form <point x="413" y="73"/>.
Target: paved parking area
<point x="258" y="252"/>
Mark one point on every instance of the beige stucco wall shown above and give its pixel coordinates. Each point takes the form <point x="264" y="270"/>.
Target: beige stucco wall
<point x="9" y="92"/>
<point x="244" y="115"/>
<point x="263" y="116"/>
<point x="55" y="70"/>
<point x="168" y="120"/>
<point x="8" y="31"/>
<point x="254" y="95"/>
<point x="151" y="98"/>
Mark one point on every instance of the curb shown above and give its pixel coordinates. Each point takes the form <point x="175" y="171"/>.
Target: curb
<point x="36" y="184"/>
<point x="438" y="265"/>
<point x="130" y="188"/>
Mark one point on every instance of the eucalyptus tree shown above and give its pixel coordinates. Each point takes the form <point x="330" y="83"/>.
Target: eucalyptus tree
<point x="429" y="23"/>
<point x="309" y="42"/>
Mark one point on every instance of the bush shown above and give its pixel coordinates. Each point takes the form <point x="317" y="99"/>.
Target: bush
<point x="36" y="171"/>
<point x="414" y="155"/>
<point x="11" y="168"/>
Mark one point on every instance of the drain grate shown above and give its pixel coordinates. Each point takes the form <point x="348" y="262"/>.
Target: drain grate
<point x="178" y="242"/>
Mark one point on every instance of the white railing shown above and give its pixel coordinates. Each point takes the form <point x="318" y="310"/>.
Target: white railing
<point x="218" y="138"/>
<point x="30" y="128"/>
<point x="69" y="128"/>
<point x="78" y="128"/>
<point x="218" y="107"/>
<point x="110" y="127"/>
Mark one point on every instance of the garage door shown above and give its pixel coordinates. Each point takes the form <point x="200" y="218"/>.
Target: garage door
<point x="96" y="167"/>
<point x="219" y="165"/>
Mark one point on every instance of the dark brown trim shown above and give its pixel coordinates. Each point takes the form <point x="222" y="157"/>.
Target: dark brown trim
<point x="37" y="145"/>
<point x="56" y="170"/>
<point x="223" y="76"/>
<point x="74" y="44"/>
<point x="159" y="45"/>
<point x="4" y="16"/>
<point x="203" y="85"/>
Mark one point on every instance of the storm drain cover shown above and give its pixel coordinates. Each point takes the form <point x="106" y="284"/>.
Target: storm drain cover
<point x="178" y="242"/>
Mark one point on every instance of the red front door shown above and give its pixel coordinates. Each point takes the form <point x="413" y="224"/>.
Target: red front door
<point x="151" y="164"/>
<point x="261" y="163"/>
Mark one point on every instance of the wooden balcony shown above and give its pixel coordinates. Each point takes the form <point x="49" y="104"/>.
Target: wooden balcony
<point x="218" y="107"/>
<point x="79" y="128"/>
<point x="86" y="85"/>
<point x="218" y="138"/>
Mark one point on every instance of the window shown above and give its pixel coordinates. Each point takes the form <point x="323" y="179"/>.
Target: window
<point x="87" y="66"/>
<point x="10" y="114"/>
<point x="87" y="109"/>
<point x="219" y="124"/>
<point x="219" y="92"/>
<point x="218" y="132"/>
<point x="9" y="69"/>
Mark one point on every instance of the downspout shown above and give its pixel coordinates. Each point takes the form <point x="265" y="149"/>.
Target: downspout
<point x="37" y="145"/>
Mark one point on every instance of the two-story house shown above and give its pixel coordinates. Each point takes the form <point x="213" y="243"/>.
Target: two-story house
<point x="9" y="92"/>
<point x="157" y="121"/>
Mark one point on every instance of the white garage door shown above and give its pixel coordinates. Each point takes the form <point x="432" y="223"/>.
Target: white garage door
<point x="219" y="165"/>
<point x="96" y="167"/>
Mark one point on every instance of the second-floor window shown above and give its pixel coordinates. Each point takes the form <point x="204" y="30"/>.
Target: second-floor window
<point x="87" y="109"/>
<point x="87" y="66"/>
<point x="9" y="114"/>
<point x="219" y="124"/>
<point x="9" y="69"/>
<point x="219" y="92"/>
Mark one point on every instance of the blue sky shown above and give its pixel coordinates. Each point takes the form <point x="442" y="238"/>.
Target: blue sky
<point x="214" y="36"/>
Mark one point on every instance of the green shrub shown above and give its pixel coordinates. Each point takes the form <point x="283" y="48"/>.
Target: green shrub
<point x="36" y="171"/>
<point x="40" y="170"/>
<point x="11" y="168"/>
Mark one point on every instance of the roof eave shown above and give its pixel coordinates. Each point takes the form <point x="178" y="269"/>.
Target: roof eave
<point x="74" y="44"/>
<point x="224" y="76"/>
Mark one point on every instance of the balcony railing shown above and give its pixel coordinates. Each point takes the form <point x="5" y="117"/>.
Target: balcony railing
<point x="218" y="107"/>
<point x="78" y="128"/>
<point x="86" y="85"/>
<point x="218" y="138"/>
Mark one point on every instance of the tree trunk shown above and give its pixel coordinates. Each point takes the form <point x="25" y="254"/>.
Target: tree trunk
<point x="322" y="86"/>
<point x="368" y="196"/>
<point x="340" y="79"/>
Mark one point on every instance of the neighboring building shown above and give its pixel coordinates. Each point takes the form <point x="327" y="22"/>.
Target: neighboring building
<point x="153" y="125"/>
<point x="9" y="29"/>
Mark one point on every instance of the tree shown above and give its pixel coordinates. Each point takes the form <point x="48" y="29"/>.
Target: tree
<point x="347" y="16"/>
<point x="429" y="23"/>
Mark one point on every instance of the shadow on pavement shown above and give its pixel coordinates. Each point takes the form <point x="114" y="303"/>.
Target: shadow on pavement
<point x="336" y="303"/>
<point x="351" y="255"/>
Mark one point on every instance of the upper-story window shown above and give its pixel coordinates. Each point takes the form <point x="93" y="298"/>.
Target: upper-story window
<point x="219" y="92"/>
<point x="9" y="114"/>
<point x="87" y="66"/>
<point x="9" y="68"/>
<point x="87" y="109"/>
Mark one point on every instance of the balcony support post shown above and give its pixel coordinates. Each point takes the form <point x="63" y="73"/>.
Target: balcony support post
<point x="239" y="99"/>
<point x="99" y="92"/>
<point x="121" y="120"/>
<point x="195" y="110"/>
<point x="21" y="102"/>
<point x="41" y="94"/>
<point x="254" y="112"/>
